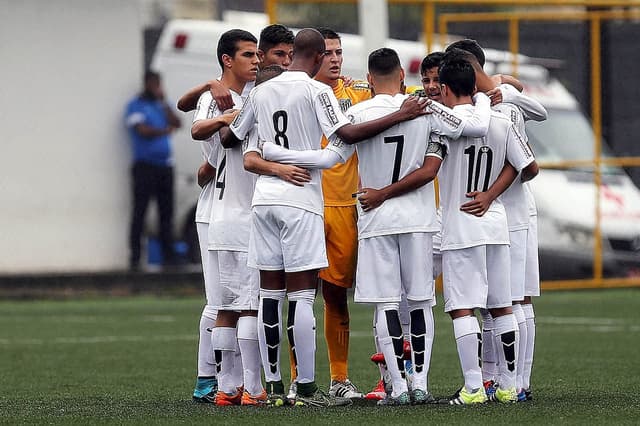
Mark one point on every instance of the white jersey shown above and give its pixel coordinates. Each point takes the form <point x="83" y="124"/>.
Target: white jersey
<point x="206" y="109"/>
<point x="294" y="111"/>
<point x="531" y="200"/>
<point x="390" y="156"/>
<point x="473" y="164"/>
<point x="229" y="222"/>
<point x="514" y="198"/>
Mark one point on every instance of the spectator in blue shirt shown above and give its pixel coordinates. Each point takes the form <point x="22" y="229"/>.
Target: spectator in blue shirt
<point x="150" y="121"/>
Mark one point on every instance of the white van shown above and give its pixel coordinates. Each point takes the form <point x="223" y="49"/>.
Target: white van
<point x="185" y="57"/>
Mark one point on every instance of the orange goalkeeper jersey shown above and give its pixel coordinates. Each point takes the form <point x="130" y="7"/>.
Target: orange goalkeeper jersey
<point x="341" y="181"/>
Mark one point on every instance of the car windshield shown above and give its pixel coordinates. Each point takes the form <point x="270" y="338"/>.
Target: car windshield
<point x="565" y="135"/>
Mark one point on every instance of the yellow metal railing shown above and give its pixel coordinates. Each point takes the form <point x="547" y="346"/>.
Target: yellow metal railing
<point x="627" y="9"/>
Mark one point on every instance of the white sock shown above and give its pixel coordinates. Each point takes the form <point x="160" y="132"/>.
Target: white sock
<point x="238" y="369"/>
<point x="531" y="337"/>
<point x="224" y="340"/>
<point x="206" y="362"/>
<point x="467" y="333"/>
<point x="489" y="355"/>
<point x="422" y="332"/>
<point x="301" y="330"/>
<point x="270" y="332"/>
<point x="391" y="342"/>
<point x="522" y="344"/>
<point x="405" y="319"/>
<point x="506" y="338"/>
<point x="250" y="351"/>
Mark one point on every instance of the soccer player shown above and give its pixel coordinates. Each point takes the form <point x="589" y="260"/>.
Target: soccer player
<point x="395" y="240"/>
<point x="517" y="200"/>
<point x="475" y="241"/>
<point x="340" y="216"/>
<point x="275" y="48"/>
<point x="236" y="293"/>
<point x="287" y="234"/>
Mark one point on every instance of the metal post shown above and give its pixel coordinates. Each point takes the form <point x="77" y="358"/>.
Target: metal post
<point x="596" y="117"/>
<point x="373" y="19"/>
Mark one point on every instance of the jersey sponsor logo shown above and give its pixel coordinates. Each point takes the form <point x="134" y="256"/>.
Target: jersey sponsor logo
<point x="242" y="111"/>
<point x="345" y="104"/>
<point x="447" y="117"/>
<point x="360" y="85"/>
<point x="213" y="110"/>
<point x="514" y="117"/>
<point x="325" y="101"/>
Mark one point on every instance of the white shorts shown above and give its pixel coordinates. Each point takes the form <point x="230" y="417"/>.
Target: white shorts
<point x="238" y="285"/>
<point x="532" y="269"/>
<point x="286" y="238"/>
<point x="389" y="265"/>
<point x="210" y="274"/>
<point x="518" y="255"/>
<point x="476" y="277"/>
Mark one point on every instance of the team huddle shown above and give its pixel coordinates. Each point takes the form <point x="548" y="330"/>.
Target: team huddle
<point x="311" y="180"/>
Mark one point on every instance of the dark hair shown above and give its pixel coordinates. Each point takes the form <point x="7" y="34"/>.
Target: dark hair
<point x="150" y="75"/>
<point x="470" y="46"/>
<point x="273" y="35"/>
<point x="268" y="73"/>
<point x="328" y="33"/>
<point x="228" y="43"/>
<point x="432" y="60"/>
<point x="383" y="61"/>
<point x="458" y="75"/>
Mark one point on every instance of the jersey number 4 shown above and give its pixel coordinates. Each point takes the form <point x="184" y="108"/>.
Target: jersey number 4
<point x="399" y="140"/>
<point x="221" y="177"/>
<point x="477" y="159"/>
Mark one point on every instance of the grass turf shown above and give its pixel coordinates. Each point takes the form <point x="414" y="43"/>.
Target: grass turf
<point x="132" y="361"/>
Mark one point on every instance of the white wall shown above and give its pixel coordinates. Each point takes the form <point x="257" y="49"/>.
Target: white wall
<point x="68" y="67"/>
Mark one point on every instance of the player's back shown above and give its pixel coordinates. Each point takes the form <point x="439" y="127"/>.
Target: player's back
<point x="473" y="164"/>
<point x="294" y="111"/>
<point x="387" y="158"/>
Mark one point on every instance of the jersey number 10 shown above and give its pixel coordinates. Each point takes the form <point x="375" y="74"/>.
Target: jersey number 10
<point x="484" y="155"/>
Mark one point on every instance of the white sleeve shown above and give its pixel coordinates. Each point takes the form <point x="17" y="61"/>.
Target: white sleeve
<point x="519" y="153"/>
<point x="438" y="146"/>
<point x="453" y="124"/>
<point x="328" y="112"/>
<point x="250" y="142"/>
<point x="531" y="109"/>
<point x="207" y="108"/>
<point x="245" y="120"/>
<point x="309" y="159"/>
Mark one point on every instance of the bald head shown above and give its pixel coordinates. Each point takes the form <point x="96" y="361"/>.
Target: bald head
<point x="308" y="43"/>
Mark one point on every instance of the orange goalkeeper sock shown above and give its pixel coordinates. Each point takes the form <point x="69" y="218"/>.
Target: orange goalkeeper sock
<point x="336" y="333"/>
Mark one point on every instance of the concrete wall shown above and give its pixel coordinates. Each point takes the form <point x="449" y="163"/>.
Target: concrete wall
<point x="68" y="68"/>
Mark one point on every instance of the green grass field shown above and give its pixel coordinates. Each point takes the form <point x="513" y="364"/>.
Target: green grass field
<point x="132" y="361"/>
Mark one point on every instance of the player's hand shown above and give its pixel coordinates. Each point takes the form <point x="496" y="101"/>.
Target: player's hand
<point x="221" y="95"/>
<point x="479" y="205"/>
<point x="229" y="115"/>
<point x="413" y="106"/>
<point x="206" y="172"/>
<point x="371" y="198"/>
<point x="293" y="174"/>
<point x="495" y="95"/>
<point x="346" y="79"/>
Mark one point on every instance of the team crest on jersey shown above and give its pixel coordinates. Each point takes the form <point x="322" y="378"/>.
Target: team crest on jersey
<point x="325" y="101"/>
<point x="448" y="118"/>
<point x="345" y="104"/>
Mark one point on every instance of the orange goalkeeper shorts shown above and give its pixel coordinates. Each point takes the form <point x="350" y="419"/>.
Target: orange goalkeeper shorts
<point x="341" y="232"/>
